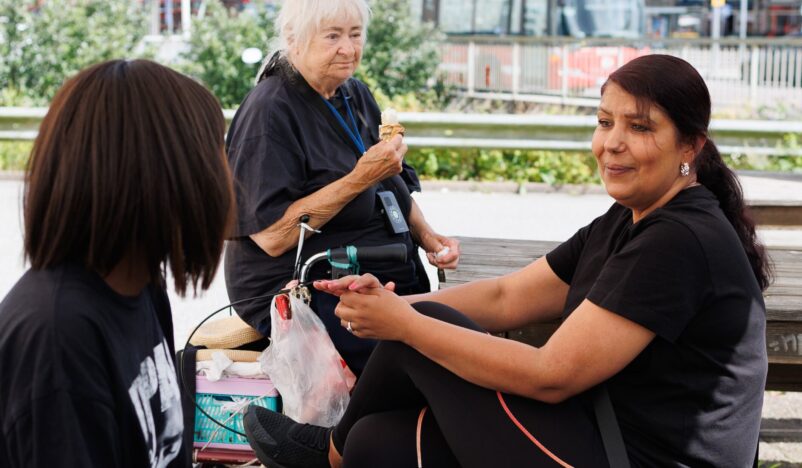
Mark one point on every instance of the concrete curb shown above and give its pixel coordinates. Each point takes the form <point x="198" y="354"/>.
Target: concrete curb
<point x="12" y="175"/>
<point x="508" y="187"/>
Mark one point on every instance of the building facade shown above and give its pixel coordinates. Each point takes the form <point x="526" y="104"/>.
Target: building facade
<point x="610" y="18"/>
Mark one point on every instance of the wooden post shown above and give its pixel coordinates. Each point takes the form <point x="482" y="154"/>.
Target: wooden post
<point x="564" y="77"/>
<point x="516" y="68"/>
<point x="186" y="18"/>
<point x="471" y="68"/>
<point x="754" y="62"/>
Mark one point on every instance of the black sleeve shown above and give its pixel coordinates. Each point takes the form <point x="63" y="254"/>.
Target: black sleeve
<point x="410" y="177"/>
<point x="269" y="176"/>
<point x="565" y="257"/>
<point x="64" y="430"/>
<point x="658" y="279"/>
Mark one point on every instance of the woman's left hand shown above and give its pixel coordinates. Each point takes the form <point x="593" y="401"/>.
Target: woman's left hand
<point x="374" y="312"/>
<point x="443" y="252"/>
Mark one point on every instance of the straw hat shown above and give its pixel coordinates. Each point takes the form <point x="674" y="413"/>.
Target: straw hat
<point x="236" y="355"/>
<point x="228" y="332"/>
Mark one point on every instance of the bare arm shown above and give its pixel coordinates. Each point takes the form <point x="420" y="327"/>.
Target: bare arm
<point x="381" y="161"/>
<point x="592" y="345"/>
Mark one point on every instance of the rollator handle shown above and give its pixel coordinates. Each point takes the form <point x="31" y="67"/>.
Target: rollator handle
<point x="345" y="260"/>
<point x="379" y="253"/>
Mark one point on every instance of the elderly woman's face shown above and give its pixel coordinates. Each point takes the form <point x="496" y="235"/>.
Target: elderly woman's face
<point x="333" y="53"/>
<point x="639" y="156"/>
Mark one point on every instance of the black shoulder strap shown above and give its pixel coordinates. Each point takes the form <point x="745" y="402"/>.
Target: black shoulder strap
<point x="185" y="372"/>
<point x="608" y="426"/>
<point x="158" y="295"/>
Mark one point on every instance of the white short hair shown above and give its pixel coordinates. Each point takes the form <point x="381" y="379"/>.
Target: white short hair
<point x="298" y="20"/>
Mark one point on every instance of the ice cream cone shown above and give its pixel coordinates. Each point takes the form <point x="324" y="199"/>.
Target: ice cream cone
<point x="388" y="131"/>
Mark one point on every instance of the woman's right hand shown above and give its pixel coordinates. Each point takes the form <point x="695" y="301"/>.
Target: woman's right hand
<point x="353" y="283"/>
<point x="381" y="161"/>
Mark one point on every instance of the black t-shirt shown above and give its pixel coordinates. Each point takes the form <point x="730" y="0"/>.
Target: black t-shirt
<point x="284" y="144"/>
<point x="694" y="396"/>
<point x="88" y="378"/>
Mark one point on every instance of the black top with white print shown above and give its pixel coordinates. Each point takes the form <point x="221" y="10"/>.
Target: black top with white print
<point x="88" y="378"/>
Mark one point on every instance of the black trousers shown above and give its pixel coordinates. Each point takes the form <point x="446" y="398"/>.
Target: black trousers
<point x="465" y="424"/>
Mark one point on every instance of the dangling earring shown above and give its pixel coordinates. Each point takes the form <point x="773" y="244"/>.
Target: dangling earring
<point x="685" y="169"/>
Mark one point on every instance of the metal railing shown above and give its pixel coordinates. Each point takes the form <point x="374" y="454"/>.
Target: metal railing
<point x="504" y="131"/>
<point x="738" y="72"/>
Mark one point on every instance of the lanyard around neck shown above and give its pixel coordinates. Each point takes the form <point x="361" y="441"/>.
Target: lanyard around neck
<point x="353" y="133"/>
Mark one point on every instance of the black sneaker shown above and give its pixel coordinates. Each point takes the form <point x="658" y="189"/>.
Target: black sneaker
<point x="283" y="443"/>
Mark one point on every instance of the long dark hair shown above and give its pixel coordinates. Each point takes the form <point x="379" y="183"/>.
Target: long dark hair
<point x="129" y="160"/>
<point x="677" y="89"/>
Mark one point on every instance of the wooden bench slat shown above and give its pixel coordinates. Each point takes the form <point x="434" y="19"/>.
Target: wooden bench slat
<point x="777" y="213"/>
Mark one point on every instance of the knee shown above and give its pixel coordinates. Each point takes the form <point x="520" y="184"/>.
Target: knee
<point x="445" y="313"/>
<point x="373" y="442"/>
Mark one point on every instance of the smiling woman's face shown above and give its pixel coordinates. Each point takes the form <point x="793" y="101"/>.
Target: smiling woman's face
<point x="332" y="55"/>
<point x="639" y="156"/>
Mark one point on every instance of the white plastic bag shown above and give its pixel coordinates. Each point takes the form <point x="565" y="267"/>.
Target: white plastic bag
<point x="305" y="367"/>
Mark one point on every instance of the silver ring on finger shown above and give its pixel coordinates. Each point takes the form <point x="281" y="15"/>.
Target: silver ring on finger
<point x="349" y="328"/>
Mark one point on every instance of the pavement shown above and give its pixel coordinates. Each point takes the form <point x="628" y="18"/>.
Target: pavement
<point x="469" y="209"/>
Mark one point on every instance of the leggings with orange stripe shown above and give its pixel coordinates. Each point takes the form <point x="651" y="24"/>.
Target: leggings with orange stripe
<point x="464" y="425"/>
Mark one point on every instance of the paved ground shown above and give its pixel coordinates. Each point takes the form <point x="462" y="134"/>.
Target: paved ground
<point x="540" y="214"/>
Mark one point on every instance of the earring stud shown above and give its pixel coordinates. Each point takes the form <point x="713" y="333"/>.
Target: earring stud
<point x="685" y="169"/>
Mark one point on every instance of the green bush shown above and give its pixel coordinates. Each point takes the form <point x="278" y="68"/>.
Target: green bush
<point x="790" y="162"/>
<point x="402" y="54"/>
<point x="14" y="155"/>
<point x="42" y="46"/>
<point x="550" y="167"/>
<point x="215" y="49"/>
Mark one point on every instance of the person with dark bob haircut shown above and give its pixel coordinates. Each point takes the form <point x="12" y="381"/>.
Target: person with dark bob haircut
<point x="660" y="359"/>
<point x="126" y="177"/>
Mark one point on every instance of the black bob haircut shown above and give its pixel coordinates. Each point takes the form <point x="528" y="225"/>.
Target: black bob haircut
<point x="129" y="161"/>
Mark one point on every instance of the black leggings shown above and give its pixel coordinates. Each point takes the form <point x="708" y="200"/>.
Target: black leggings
<point x="465" y="425"/>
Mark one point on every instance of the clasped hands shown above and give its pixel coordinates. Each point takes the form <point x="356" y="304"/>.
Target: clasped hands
<point x="372" y="309"/>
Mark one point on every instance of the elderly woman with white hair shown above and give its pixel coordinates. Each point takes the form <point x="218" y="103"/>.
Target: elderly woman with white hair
<point x="305" y="142"/>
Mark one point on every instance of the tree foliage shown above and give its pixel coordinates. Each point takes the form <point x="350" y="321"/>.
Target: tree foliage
<point x="215" y="49"/>
<point x="399" y="61"/>
<point x="402" y="54"/>
<point x="43" y="45"/>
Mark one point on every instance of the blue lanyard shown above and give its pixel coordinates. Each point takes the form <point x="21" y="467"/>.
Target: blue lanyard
<point x="352" y="133"/>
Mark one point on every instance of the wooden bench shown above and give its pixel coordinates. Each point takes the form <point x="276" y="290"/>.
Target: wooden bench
<point x="777" y="213"/>
<point x="487" y="258"/>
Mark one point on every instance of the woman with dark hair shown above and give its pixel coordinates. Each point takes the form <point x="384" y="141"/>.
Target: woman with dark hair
<point x="661" y="356"/>
<point x="126" y="177"/>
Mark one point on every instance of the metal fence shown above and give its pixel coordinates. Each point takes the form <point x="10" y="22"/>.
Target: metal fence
<point x="739" y="73"/>
<point x="506" y="131"/>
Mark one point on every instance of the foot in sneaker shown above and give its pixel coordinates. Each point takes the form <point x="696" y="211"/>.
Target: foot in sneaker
<point x="281" y="442"/>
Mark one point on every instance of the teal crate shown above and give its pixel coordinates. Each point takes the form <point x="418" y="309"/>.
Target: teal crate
<point x="219" y="404"/>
